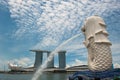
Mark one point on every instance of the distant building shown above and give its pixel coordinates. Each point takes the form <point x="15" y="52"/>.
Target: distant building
<point x="15" y="68"/>
<point x="39" y="59"/>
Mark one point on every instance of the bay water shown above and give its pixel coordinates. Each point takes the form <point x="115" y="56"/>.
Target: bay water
<point x="44" y="76"/>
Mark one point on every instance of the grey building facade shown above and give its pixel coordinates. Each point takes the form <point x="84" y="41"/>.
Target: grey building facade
<point x="39" y="59"/>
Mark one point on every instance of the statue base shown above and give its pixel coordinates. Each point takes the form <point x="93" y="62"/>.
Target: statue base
<point x="96" y="75"/>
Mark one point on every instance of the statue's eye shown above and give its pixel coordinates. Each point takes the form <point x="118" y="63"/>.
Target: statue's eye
<point x="84" y="30"/>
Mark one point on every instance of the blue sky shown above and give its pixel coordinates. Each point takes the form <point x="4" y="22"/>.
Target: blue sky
<point x="28" y="24"/>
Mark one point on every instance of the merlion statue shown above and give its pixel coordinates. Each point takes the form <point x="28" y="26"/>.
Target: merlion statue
<point x="97" y="44"/>
<point x="99" y="52"/>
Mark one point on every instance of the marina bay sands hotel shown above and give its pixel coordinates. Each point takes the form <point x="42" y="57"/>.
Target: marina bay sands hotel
<point x="39" y="59"/>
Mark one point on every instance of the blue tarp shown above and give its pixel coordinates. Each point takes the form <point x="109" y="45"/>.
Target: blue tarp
<point x="98" y="74"/>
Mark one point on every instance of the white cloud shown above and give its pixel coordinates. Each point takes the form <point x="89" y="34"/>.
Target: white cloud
<point x="116" y="65"/>
<point x="3" y="5"/>
<point x="77" y="62"/>
<point x="76" y="49"/>
<point x="73" y="47"/>
<point x="46" y="42"/>
<point x="24" y="62"/>
<point x="54" y="18"/>
<point x="3" y="2"/>
<point x="67" y="66"/>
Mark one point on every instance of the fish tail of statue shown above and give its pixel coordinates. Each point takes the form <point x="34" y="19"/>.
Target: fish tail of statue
<point x="100" y="58"/>
<point x="97" y="44"/>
